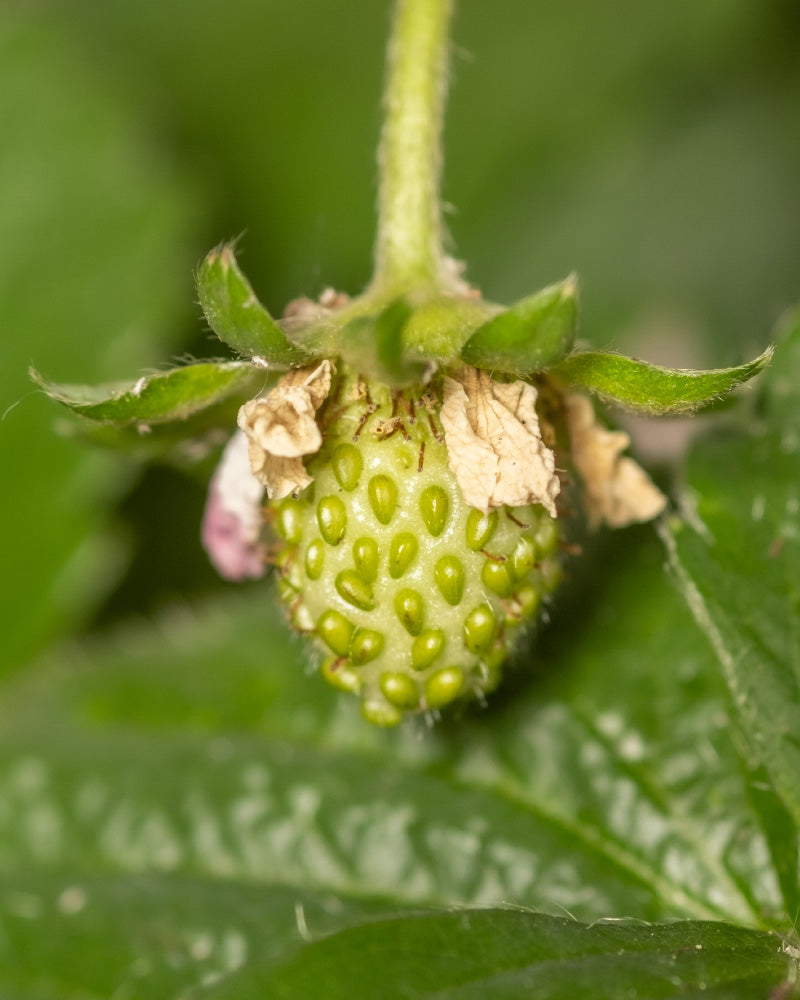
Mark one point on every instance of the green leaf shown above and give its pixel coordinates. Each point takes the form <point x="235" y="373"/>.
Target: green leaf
<point x="650" y="389"/>
<point x="92" y="936"/>
<point x="96" y="255"/>
<point x="780" y="830"/>
<point x="159" y="398"/>
<point x="737" y="560"/>
<point x="170" y="935"/>
<point x="209" y="756"/>
<point x="530" y="335"/>
<point x="237" y="317"/>
<point x="189" y="767"/>
<point x="504" y="955"/>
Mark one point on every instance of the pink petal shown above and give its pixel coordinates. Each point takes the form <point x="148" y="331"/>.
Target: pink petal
<point x="232" y="519"/>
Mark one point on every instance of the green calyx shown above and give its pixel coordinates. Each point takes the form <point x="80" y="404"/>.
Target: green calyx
<point x="393" y="341"/>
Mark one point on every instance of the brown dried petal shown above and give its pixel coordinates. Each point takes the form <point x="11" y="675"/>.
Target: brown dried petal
<point x="494" y="445"/>
<point x="281" y="428"/>
<point x="615" y="489"/>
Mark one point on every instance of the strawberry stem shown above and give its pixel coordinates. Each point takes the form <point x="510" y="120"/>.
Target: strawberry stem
<point x="408" y="247"/>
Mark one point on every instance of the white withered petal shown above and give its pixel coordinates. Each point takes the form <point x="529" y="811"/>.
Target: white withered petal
<point x="494" y="443"/>
<point x="281" y="428"/>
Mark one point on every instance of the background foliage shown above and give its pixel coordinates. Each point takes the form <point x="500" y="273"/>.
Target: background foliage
<point x="183" y="810"/>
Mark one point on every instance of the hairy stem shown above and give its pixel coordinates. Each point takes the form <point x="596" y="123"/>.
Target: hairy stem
<point x="408" y="248"/>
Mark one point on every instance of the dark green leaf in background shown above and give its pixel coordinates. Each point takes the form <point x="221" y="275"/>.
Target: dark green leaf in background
<point x="737" y="559"/>
<point x="95" y="936"/>
<point x="94" y="239"/>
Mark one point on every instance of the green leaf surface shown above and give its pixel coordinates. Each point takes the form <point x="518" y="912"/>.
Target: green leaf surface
<point x="166" y="937"/>
<point x="237" y="317"/>
<point x="95" y="936"/>
<point x="737" y="560"/>
<point x="95" y="281"/>
<point x="159" y="398"/>
<point x="530" y="335"/>
<point x="650" y="389"/>
<point x="502" y="955"/>
<point x="607" y="785"/>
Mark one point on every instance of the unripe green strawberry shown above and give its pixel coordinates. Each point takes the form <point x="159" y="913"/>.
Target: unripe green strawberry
<point x="414" y="598"/>
<point x="416" y="510"/>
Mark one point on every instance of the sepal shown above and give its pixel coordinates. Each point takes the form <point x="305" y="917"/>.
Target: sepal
<point x="531" y="335"/>
<point x="160" y="398"/>
<point x="650" y="389"/>
<point x="376" y="345"/>
<point x="237" y="317"/>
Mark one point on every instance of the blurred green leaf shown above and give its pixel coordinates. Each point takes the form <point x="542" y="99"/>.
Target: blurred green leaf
<point x="737" y="559"/>
<point x="650" y="389"/>
<point x="658" y="160"/>
<point x="235" y="314"/>
<point x="187" y="445"/>
<point x="530" y="335"/>
<point x="162" y="397"/>
<point x="94" y="936"/>
<point x="94" y="241"/>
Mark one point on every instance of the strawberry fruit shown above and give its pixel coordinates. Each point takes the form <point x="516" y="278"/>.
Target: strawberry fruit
<point x="413" y="597"/>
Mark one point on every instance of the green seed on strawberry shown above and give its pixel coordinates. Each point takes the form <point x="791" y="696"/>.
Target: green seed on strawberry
<point x="426" y="648"/>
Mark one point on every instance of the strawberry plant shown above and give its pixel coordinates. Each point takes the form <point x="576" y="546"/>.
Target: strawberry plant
<point x="417" y="406"/>
<point x="412" y="469"/>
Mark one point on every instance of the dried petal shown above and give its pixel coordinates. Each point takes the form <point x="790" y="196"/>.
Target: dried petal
<point x="232" y="521"/>
<point x="616" y="489"/>
<point x="494" y="444"/>
<point x="281" y="428"/>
